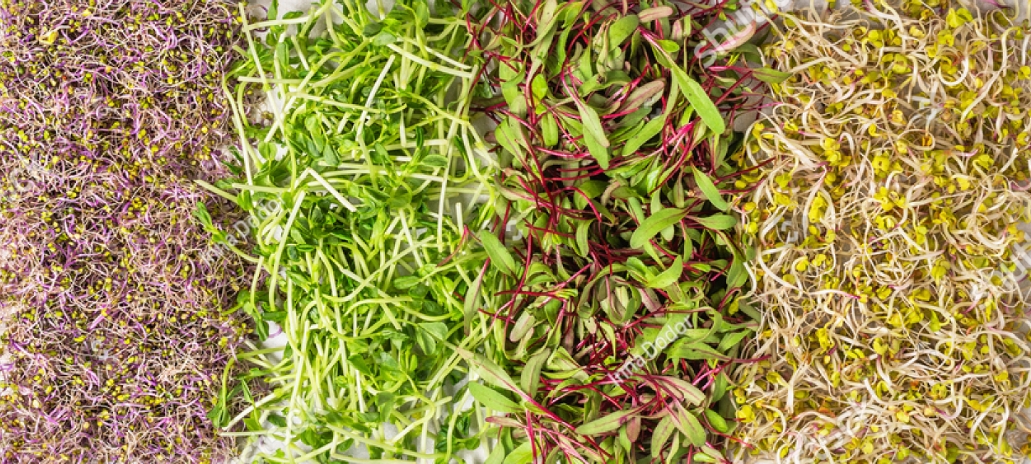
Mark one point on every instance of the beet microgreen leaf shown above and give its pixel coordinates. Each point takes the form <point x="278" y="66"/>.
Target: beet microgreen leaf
<point x="654" y="224"/>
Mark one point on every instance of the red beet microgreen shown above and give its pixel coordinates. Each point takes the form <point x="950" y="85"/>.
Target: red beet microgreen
<point x="612" y="142"/>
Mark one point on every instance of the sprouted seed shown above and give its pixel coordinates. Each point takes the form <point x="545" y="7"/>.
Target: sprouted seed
<point x="112" y="299"/>
<point x="893" y="176"/>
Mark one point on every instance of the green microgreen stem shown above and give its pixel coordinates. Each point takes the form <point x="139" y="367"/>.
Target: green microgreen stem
<point x="370" y="157"/>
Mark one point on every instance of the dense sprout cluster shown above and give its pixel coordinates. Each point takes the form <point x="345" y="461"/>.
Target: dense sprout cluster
<point x="113" y="300"/>
<point x="896" y="169"/>
<point x="132" y="85"/>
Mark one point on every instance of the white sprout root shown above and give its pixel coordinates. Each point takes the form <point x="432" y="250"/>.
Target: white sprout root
<point x="887" y="269"/>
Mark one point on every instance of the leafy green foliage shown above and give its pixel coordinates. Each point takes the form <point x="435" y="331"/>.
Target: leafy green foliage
<point x="612" y="147"/>
<point x="369" y="266"/>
